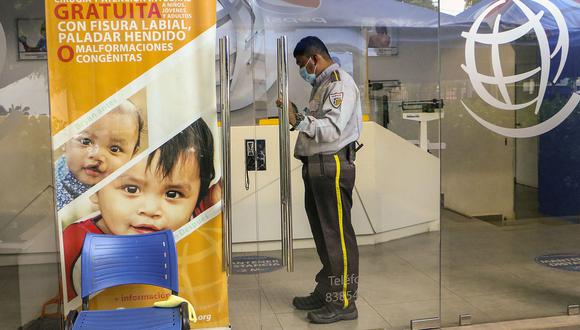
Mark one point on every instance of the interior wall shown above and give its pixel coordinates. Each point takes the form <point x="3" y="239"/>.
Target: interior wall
<point x="27" y="225"/>
<point x="416" y="67"/>
<point x="14" y="70"/>
<point x="478" y="165"/>
<point x="336" y="39"/>
<point x="407" y="197"/>
<point x="527" y="162"/>
<point x="25" y="174"/>
<point x="526" y="149"/>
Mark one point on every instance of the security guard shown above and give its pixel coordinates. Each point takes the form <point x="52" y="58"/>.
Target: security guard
<point x="328" y="131"/>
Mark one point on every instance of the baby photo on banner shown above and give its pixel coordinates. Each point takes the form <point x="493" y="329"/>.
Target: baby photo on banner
<point x="135" y="140"/>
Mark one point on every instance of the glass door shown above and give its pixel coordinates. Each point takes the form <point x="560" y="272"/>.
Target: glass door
<point x="241" y="151"/>
<point x="395" y="201"/>
<point x="509" y="220"/>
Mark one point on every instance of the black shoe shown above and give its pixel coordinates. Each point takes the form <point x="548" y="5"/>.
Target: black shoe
<point x="313" y="301"/>
<point x="331" y="313"/>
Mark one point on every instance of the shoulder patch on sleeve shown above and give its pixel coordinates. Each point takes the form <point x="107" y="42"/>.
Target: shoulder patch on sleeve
<point x="335" y="76"/>
<point x="336" y="99"/>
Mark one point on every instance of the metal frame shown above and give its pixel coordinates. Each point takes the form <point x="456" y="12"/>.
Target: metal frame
<point x="285" y="176"/>
<point x="426" y="323"/>
<point x="224" y="54"/>
<point x="465" y="319"/>
<point x="285" y="170"/>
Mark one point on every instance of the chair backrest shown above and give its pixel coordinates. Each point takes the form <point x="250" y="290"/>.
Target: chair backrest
<point x="111" y="260"/>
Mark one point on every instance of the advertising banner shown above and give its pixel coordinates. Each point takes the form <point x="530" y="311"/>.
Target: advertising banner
<point x="135" y="140"/>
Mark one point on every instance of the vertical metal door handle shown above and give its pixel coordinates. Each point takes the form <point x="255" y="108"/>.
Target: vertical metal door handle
<point x="285" y="183"/>
<point x="224" y="54"/>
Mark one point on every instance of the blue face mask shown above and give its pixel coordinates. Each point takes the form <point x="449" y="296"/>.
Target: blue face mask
<point x="309" y="77"/>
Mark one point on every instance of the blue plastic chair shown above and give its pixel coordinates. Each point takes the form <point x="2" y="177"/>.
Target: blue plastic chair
<point x="112" y="260"/>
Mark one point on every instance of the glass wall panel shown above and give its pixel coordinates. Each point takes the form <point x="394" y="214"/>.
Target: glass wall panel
<point x="390" y="49"/>
<point x="29" y="269"/>
<point x="236" y="21"/>
<point x="509" y="78"/>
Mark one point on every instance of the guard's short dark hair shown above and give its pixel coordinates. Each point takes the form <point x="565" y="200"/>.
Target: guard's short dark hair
<point x="197" y="136"/>
<point x="310" y="46"/>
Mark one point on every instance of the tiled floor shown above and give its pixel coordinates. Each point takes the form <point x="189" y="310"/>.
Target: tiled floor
<point x="10" y="298"/>
<point x="488" y="271"/>
<point x="547" y="323"/>
<point x="23" y="290"/>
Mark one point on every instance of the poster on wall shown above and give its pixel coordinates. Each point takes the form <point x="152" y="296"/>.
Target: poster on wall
<point x="382" y="40"/>
<point x="135" y="140"/>
<point x="31" y="39"/>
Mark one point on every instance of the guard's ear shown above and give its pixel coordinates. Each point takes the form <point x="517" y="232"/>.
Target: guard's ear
<point x="316" y="58"/>
<point x="94" y="198"/>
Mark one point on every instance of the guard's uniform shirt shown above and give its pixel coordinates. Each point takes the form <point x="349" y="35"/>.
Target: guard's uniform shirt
<point x="333" y="118"/>
<point x="331" y="125"/>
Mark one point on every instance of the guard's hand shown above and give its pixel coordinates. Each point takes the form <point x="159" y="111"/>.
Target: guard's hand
<point x="291" y="111"/>
<point x="291" y="105"/>
<point x="292" y="116"/>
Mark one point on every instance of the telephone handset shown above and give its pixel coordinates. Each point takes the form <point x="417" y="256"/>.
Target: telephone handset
<point x="255" y="157"/>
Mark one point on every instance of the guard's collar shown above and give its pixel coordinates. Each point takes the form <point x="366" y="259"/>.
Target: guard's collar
<point x="325" y="74"/>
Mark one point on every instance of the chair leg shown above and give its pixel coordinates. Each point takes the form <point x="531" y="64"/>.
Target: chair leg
<point x="70" y="319"/>
<point x="184" y="316"/>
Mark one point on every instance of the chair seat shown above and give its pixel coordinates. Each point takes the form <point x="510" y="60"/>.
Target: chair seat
<point x="130" y="319"/>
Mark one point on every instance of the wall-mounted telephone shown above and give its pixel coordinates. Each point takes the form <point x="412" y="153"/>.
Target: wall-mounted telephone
<point x="255" y="158"/>
<point x="255" y="155"/>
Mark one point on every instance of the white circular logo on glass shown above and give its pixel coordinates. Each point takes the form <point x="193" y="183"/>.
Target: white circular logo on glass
<point x="497" y="38"/>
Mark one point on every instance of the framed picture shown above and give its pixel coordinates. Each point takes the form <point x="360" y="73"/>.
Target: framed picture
<point x="382" y="40"/>
<point x="31" y="39"/>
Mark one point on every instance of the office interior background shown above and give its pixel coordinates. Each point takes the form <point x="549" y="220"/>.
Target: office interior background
<point x="461" y="218"/>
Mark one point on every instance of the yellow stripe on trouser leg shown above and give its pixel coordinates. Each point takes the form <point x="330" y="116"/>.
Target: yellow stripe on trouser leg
<point x="342" y="243"/>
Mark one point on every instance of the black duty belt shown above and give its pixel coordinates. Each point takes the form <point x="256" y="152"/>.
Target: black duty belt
<point x="343" y="154"/>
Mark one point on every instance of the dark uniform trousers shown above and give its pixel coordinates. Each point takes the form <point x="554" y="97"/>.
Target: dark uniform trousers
<point x="328" y="182"/>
